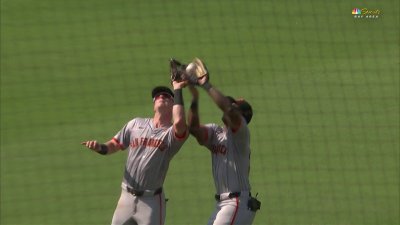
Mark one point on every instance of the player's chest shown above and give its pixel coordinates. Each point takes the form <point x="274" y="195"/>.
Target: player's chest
<point x="220" y="145"/>
<point x="151" y="139"/>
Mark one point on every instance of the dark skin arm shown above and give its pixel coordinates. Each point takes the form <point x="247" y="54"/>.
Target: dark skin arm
<point x="232" y="115"/>
<point x="195" y="128"/>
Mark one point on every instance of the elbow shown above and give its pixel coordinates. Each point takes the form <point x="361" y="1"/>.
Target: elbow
<point x="180" y="126"/>
<point x="192" y="129"/>
<point x="181" y="122"/>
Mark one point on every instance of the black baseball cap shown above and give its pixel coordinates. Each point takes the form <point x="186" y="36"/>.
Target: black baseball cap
<point x="244" y="106"/>
<point x="161" y="89"/>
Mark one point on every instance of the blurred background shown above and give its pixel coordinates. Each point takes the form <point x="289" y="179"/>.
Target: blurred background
<point x="323" y="82"/>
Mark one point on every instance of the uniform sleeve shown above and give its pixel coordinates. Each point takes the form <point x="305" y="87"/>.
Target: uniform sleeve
<point x="123" y="136"/>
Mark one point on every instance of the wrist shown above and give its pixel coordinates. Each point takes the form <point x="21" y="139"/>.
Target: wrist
<point x="103" y="149"/>
<point x="206" y="86"/>
<point x="177" y="88"/>
<point x="178" y="98"/>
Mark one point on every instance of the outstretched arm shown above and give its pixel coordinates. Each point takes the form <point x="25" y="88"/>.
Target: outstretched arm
<point x="233" y="114"/>
<point x="103" y="149"/>
<point x="198" y="131"/>
<point x="178" y="111"/>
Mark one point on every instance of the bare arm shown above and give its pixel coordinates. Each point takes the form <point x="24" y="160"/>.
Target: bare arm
<point x="103" y="149"/>
<point x="234" y="116"/>
<point x="198" y="131"/>
<point x="178" y="110"/>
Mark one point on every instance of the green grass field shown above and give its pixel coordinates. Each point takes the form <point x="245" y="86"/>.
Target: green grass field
<point x="324" y="87"/>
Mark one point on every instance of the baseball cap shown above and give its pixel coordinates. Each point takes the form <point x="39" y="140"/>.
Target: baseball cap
<point x="244" y="106"/>
<point x="161" y="89"/>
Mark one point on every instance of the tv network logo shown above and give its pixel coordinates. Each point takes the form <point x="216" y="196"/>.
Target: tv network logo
<point x="366" y="13"/>
<point x="356" y="11"/>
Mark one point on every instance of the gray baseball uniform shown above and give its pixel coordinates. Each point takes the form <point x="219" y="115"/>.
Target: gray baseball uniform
<point x="150" y="151"/>
<point x="230" y="166"/>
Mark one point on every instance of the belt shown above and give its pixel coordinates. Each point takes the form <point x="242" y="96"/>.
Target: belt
<point x="224" y="196"/>
<point x="144" y="193"/>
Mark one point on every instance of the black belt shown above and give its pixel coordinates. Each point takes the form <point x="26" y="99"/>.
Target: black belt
<point x="231" y="195"/>
<point x="141" y="193"/>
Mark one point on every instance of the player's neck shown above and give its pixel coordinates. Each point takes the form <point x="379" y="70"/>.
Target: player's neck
<point x="161" y="120"/>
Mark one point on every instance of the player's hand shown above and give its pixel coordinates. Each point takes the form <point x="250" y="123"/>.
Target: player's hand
<point x="179" y="84"/>
<point x="203" y="79"/>
<point x="93" y="145"/>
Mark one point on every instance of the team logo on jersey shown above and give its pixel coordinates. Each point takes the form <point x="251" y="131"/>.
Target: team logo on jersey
<point x="148" y="142"/>
<point x="219" y="149"/>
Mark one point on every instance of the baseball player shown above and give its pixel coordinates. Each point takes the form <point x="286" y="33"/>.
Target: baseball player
<point x="230" y="150"/>
<point x="152" y="143"/>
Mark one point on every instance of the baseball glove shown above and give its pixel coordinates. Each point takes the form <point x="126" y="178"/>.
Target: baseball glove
<point x="177" y="70"/>
<point x="196" y="70"/>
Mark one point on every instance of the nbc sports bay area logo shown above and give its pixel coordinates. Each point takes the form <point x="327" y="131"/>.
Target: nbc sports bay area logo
<point x="366" y="13"/>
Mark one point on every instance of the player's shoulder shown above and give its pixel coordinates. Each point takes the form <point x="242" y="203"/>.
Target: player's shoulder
<point x="215" y="127"/>
<point x="139" y="121"/>
<point x="211" y="125"/>
<point x="243" y="129"/>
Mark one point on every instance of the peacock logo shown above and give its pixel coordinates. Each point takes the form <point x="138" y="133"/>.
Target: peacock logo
<point x="356" y="11"/>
